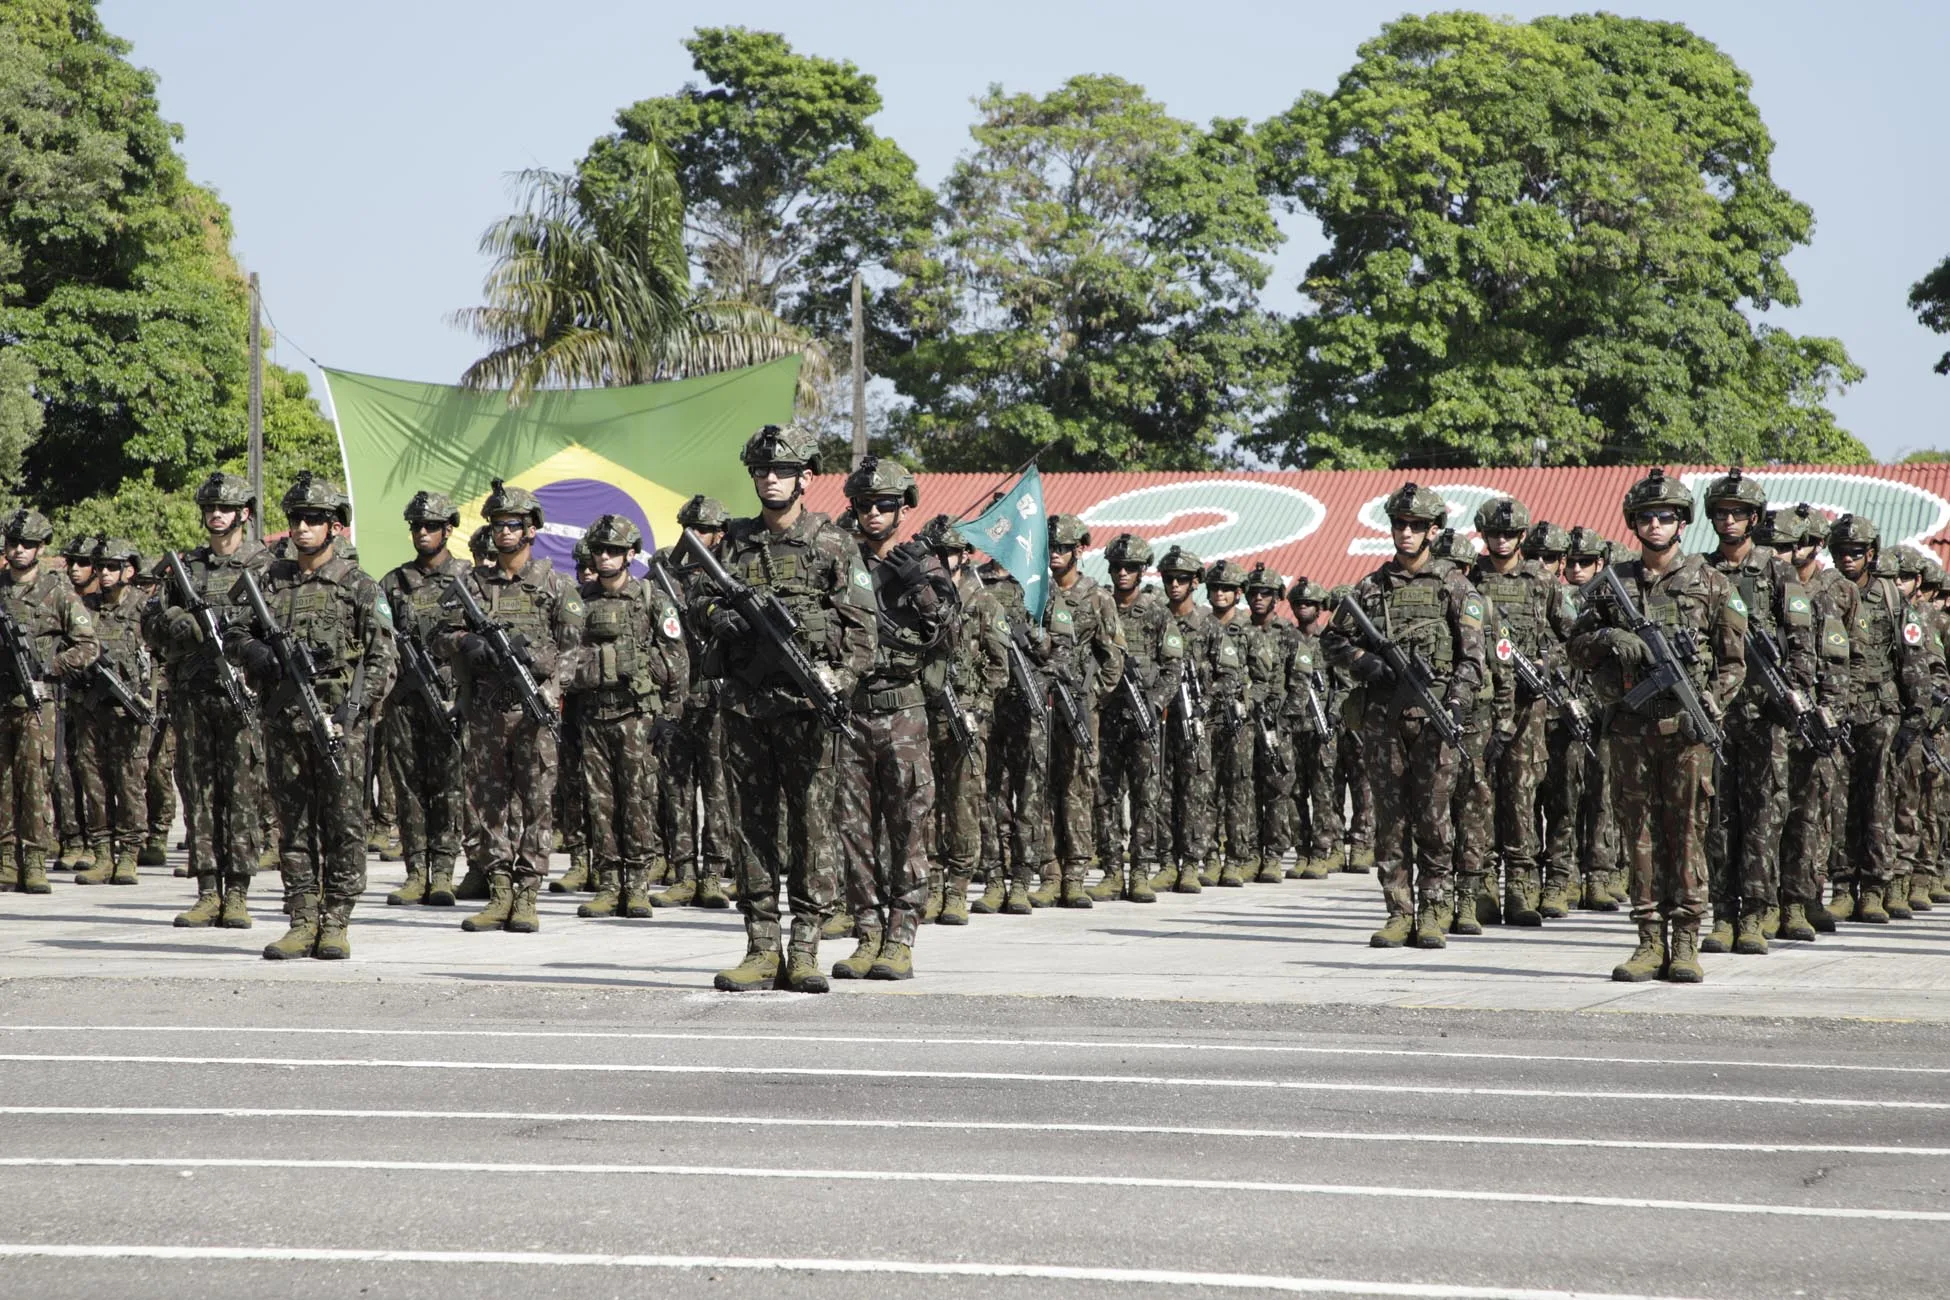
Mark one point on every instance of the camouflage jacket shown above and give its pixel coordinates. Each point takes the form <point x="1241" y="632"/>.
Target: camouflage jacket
<point x="341" y="618"/>
<point x="632" y="659"/>
<point x="56" y="623"/>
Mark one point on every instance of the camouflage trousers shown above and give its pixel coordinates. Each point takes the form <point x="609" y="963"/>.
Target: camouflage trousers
<point x="1351" y="786"/>
<point x="1273" y="776"/>
<point x="884" y="810"/>
<point x="1869" y="848"/>
<point x="1514" y="777"/>
<point x="1127" y="806"/>
<point x="568" y="803"/>
<point x="619" y="784"/>
<point x="385" y="791"/>
<point x="1018" y="803"/>
<point x="1744" y="844"/>
<point x="220" y="768"/>
<point x="111" y="764"/>
<point x="696" y="799"/>
<point x="160" y="774"/>
<point x="1073" y="798"/>
<point x="26" y="817"/>
<point x="1571" y="802"/>
<point x="1809" y="833"/>
<point x="1914" y="797"/>
<point x="1316" y="803"/>
<point x="1472" y="805"/>
<point x="511" y="777"/>
<point x="1188" y="769"/>
<point x="426" y="768"/>
<point x="1662" y="788"/>
<point x="960" y="789"/>
<point x="70" y="818"/>
<point x="1413" y="777"/>
<point x="782" y="787"/>
<point x="321" y="817"/>
<point x="1235" y="818"/>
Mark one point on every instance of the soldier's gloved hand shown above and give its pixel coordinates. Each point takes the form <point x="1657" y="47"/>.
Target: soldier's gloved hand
<point x="908" y="563"/>
<point x="1371" y="668"/>
<point x="480" y="655"/>
<point x="727" y="624"/>
<point x="1626" y="647"/>
<point x="261" y="662"/>
<point x="519" y="644"/>
<point x="181" y="627"/>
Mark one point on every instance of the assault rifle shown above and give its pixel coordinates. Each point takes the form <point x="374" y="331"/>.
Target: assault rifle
<point x="206" y="619"/>
<point x="507" y="660"/>
<point x="117" y="689"/>
<point x="424" y="679"/>
<point x="1316" y="707"/>
<point x="301" y="672"/>
<point x="1141" y="710"/>
<point x="1813" y="728"/>
<point x="1577" y="714"/>
<point x="1024" y="677"/>
<point x="958" y="728"/>
<point x="1074" y="718"/>
<point x="1668" y="675"/>
<point x="1189" y="705"/>
<point x="1412" y="672"/>
<point x="768" y="618"/>
<point x="1269" y="737"/>
<point x="22" y="663"/>
<point x="1540" y="686"/>
<point x="666" y="583"/>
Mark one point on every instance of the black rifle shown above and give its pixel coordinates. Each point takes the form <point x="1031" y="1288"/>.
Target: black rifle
<point x="1269" y="737"/>
<point x="768" y="618"/>
<point x="22" y="663"/>
<point x="1577" y="714"/>
<point x="958" y="728"/>
<point x="1189" y="705"/>
<point x="1812" y="727"/>
<point x="1310" y="683"/>
<point x="206" y="618"/>
<point x="1411" y="672"/>
<point x="1024" y="676"/>
<point x="301" y="672"/>
<point x="1544" y="688"/>
<point x="507" y="660"/>
<point x="424" y="679"/>
<point x="1141" y="710"/>
<point x="1668" y="675"/>
<point x="661" y="575"/>
<point x="1074" y="717"/>
<point x="117" y="689"/>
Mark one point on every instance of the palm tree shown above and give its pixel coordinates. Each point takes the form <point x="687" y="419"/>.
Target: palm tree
<point x="590" y="286"/>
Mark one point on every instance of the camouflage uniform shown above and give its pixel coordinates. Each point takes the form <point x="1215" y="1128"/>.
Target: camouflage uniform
<point x="1274" y="639"/>
<point x="62" y="632"/>
<point x="112" y="747"/>
<point x="159" y="773"/>
<point x="1913" y="775"/>
<point x="1313" y="728"/>
<point x="1018" y="760"/>
<point x="1086" y="655"/>
<point x="1485" y="722"/>
<point x="65" y="783"/>
<point x="1432" y="612"/>
<point x="1352" y="793"/>
<point x="1188" y="745"/>
<point x="1130" y="763"/>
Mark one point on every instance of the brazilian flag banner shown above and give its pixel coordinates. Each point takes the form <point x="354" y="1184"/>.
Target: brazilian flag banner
<point x="640" y="451"/>
<point x="1014" y="532"/>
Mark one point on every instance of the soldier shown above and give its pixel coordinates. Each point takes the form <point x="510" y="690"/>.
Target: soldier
<point x="780" y="754"/>
<point x="1188" y="746"/>
<point x="112" y="741"/>
<point x="1018" y="776"/>
<point x="885" y="782"/>
<point x="1351" y="789"/>
<point x="696" y="799"/>
<point x="1313" y="726"/>
<point x="1486" y="723"/>
<point x="325" y="604"/>
<point x="58" y="637"/>
<point x="1911" y="772"/>
<point x="1274" y="641"/>
<point x="632" y="667"/>
<point x="973" y="674"/>
<point x="1232" y="693"/>
<point x="1428" y="608"/>
<point x="219" y="747"/>
<point x="511" y="755"/>
<point x="71" y="816"/>
<point x="1544" y="545"/>
<point x="1086" y="659"/>
<point x="1577" y="814"/>
<point x="159" y="772"/>
<point x="1131" y="759"/>
<point x="570" y="804"/>
<point x="419" y="732"/>
<point x="1661" y="764"/>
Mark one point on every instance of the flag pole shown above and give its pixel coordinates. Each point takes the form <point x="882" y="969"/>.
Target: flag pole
<point x="1010" y="477"/>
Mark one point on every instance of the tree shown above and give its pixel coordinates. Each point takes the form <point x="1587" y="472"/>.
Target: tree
<point x="1095" y="287"/>
<point x="1929" y="298"/>
<point x="1547" y="230"/>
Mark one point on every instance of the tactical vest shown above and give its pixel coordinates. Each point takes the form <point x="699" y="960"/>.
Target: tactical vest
<point x="1680" y="605"/>
<point x="1231" y="658"/>
<point x="1872" y="641"/>
<point x="320" y="612"/>
<point x="1515" y="596"/>
<point x="619" y="631"/>
<point x="37" y="611"/>
<point x="788" y="568"/>
<point x="118" y="629"/>
<point x="1306" y="669"/>
<point x="1415" y="616"/>
<point x="214" y="577"/>
<point x="1071" y="618"/>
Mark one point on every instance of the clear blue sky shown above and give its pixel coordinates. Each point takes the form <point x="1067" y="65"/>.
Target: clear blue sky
<point x="363" y="146"/>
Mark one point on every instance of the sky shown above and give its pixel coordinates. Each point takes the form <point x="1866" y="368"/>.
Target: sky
<point x="363" y="147"/>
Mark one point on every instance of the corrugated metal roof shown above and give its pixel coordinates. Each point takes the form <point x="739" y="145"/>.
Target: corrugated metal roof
<point x="1326" y="525"/>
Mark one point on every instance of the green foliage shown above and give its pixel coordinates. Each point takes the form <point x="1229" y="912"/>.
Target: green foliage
<point x="1929" y="456"/>
<point x="1545" y="229"/>
<point x="20" y="413"/>
<point x="1929" y="298"/>
<point x="1095" y="285"/>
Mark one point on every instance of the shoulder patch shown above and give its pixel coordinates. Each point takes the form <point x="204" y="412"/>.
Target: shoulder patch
<point x="1504" y="650"/>
<point x="382" y="609"/>
<point x="1002" y="624"/>
<point x="1912" y="632"/>
<point x="672" y="628"/>
<point x="1473" y="607"/>
<point x="1304" y="659"/>
<point x="860" y="578"/>
<point x="1798" y="604"/>
<point x="572" y="605"/>
<point x="1736" y="604"/>
<point x="1173" y="641"/>
<point x="81" y="618"/>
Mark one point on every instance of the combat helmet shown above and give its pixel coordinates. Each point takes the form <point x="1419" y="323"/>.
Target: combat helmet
<point x="1654" y="491"/>
<point x="1909" y="561"/>
<point x="874" y="477"/>
<point x="1068" y="530"/>
<point x="1182" y="563"/>
<point x="1305" y="591"/>
<point x="1417" y="503"/>
<point x="1338" y="593"/>
<point x="614" y="530"/>
<point x="1263" y="578"/>
<point x="940" y="535"/>
<point x="1225" y="573"/>
<point x="30" y="526"/>
<point x="1544" y="540"/>
<point x="1932" y="574"/>
<point x="1128" y="548"/>
<point x="311" y="491"/>
<point x="781" y="444"/>
<point x="479" y="543"/>
<point x="81" y="548"/>
<point x="1783" y="526"/>
<point x="1854" y="530"/>
<point x="431" y="508"/>
<point x="1453" y="545"/>
<point x="1583" y="543"/>
<point x="1502" y="515"/>
<point x="226" y="490"/>
<point x="581" y="556"/>
<point x="1734" y="486"/>
<point x="1886" y="565"/>
<point x="505" y="500"/>
<point x="1819" y="524"/>
<point x="120" y="550"/>
<point x="702" y="512"/>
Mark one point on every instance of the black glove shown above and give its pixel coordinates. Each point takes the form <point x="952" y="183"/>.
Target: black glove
<point x="261" y="662"/>
<point x="908" y="563"/>
<point x="480" y="655"/>
<point x="1371" y="668"/>
<point x="727" y="624"/>
<point x="519" y="644"/>
<point x="1631" y="653"/>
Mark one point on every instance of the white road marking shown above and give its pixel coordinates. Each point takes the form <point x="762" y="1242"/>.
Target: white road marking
<point x="1010" y="1180"/>
<point x="728" y="1263"/>
<point x="975" y="1126"/>
<point x="974" y="1076"/>
<point x="870" y="1039"/>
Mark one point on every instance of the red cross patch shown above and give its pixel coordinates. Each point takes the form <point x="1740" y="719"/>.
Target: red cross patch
<point x="1913" y="633"/>
<point x="672" y="628"/>
<point x="1504" y="649"/>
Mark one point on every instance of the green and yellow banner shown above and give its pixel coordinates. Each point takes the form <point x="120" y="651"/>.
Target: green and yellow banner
<point x="640" y="451"/>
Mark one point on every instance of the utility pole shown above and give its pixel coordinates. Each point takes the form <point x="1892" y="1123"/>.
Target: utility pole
<point x="257" y="412"/>
<point x="859" y="376"/>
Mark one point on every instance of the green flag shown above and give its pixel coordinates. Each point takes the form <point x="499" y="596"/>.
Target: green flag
<point x="1015" y="534"/>
<point x="638" y="451"/>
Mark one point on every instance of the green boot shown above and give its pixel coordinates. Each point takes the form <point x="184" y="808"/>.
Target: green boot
<point x="1139" y="889"/>
<point x="1432" y="924"/>
<point x="302" y="937"/>
<point x="1110" y="888"/>
<point x="154" y="852"/>
<point x="895" y="962"/>
<point x="759" y="970"/>
<point x="1394" y="932"/>
<point x="501" y="901"/>
<point x="609" y="895"/>
<point x="1052" y="888"/>
<point x="857" y="966"/>
<point x="1208" y="876"/>
<point x="1360" y="859"/>
<point x="1016" y="901"/>
<point x="1939" y="891"/>
<point x="1720" y="937"/>
<point x="838" y="925"/>
<point x="236" y="913"/>
<point x="1488" y="910"/>
<point x="1869" y="908"/>
<point x="1919" y="894"/>
<point x="576" y="878"/>
<point x="125" y="869"/>
<point x="1554" y="904"/>
<point x="9" y="876"/>
<point x="932" y="912"/>
<point x="207" y="908"/>
<point x="1229" y="877"/>
<point x="991" y="900"/>
<point x="522" y="918"/>
<point x="1821" y="918"/>
<point x="1269" y="872"/>
<point x="1648" y="959"/>
<point x="334" y="944"/>
<point x="376" y="841"/>
<point x="1519" y="908"/>
<point x="1796" y="926"/>
<point x="678" y="895"/>
<point x="1598" y="899"/>
<point x="1618" y="881"/>
<point x="954" y="901"/>
<point x="802" y="973"/>
<point x="100" y="868"/>
<point x="1463" y="919"/>
<point x="1683" y="967"/>
<point x="413" y="891"/>
<point x="710" y="891"/>
<point x="473" y="886"/>
<point x="1748" y="939"/>
<point x="1188" y="879"/>
<point x="1073" y="893"/>
<point x="1164" y="878"/>
<point x="634" y="901"/>
<point x="33" y="877"/>
<point x="440" y="885"/>
<point x="1895" y="898"/>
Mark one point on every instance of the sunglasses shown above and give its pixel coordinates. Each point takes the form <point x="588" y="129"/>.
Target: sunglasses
<point x="508" y="525"/>
<point x="311" y="518"/>
<point x="1127" y="568"/>
<point x="782" y="470"/>
<point x="1658" y="516"/>
<point x="425" y="526"/>
<point x="884" y="505"/>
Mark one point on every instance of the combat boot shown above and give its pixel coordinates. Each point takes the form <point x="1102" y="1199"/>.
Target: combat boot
<point x="1682" y="964"/>
<point x="1919" y="894"/>
<point x="635" y="899"/>
<point x="1939" y="891"/>
<point x="1073" y="894"/>
<point x="1138" y="889"/>
<point x="1597" y="898"/>
<point x="1518" y="908"/>
<point x="473" y="886"/>
<point x="1488" y="910"/>
<point x="99" y="871"/>
<point x="1749" y="940"/>
<point x="991" y="900"/>
<point x="1051" y="890"/>
<point x="609" y="895"/>
<point x="182" y="870"/>
<point x="1189" y="876"/>
<point x="895" y="962"/>
<point x="710" y="892"/>
<point x="1648" y="959"/>
<point x="1770" y="922"/>
<point x="1554" y="904"/>
<point x="33" y="876"/>
<point x="577" y="878"/>
<point x="1269" y="872"/>
<point x="376" y="841"/>
<point x="302" y="937"/>
<point x="413" y="891"/>
<point x="334" y="944"/>
<point x="1164" y="878"/>
<point x="501" y="901"/>
<point x="74" y="856"/>
<point x="1360" y="860"/>
<point x="857" y="966"/>
<point x="1229" y="877"/>
<point x="1462" y="919"/>
<point x="1895" y="898"/>
<point x="125" y="869"/>
<point x="1110" y="888"/>
<point x="954" y="902"/>
<point x="1869" y="908"/>
<point x="838" y="925"/>
<point x="1208" y="875"/>
<point x="389" y="851"/>
<point x="802" y="973"/>
<point x="1796" y="926"/>
<point x="759" y="970"/>
<point x="522" y="918"/>
<point x="236" y="913"/>
<point x="1720" y="937"/>
<point x="1618" y="881"/>
<point x="1821" y="918"/>
<point x="932" y="912"/>
<point x="207" y="907"/>
<point x="154" y="852"/>
<point x="9" y="875"/>
<point x="678" y="895"/>
<point x="1395" y="932"/>
<point x="269" y="859"/>
<point x="1432" y="924"/>
<point x="440" y="885"/>
<point x="1016" y="901"/>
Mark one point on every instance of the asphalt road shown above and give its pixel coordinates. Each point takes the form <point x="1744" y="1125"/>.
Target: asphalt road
<point x="202" y="1137"/>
